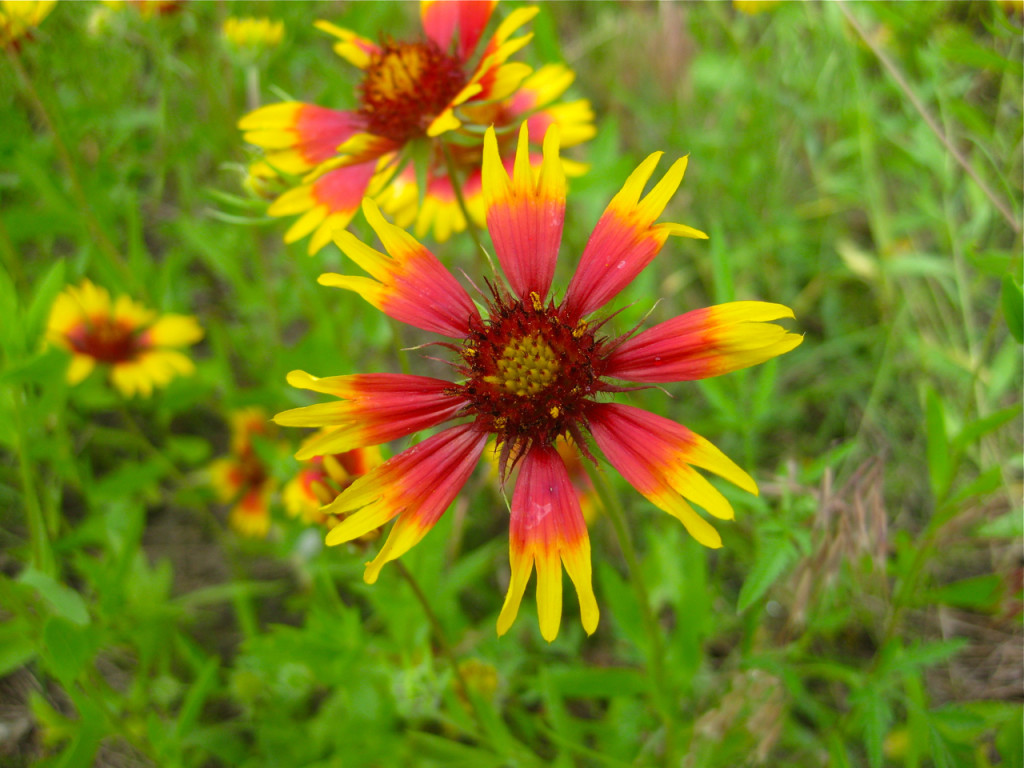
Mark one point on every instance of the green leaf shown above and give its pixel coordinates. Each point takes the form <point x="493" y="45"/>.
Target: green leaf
<point x="40" y="368"/>
<point x="938" y="446"/>
<point x="12" y="337"/>
<point x="65" y="601"/>
<point x="205" y="682"/>
<point x="981" y="427"/>
<point x="16" y="645"/>
<point x="775" y="554"/>
<point x="1013" y="308"/>
<point x="68" y="648"/>
<point x="1008" y="526"/>
<point x="877" y="718"/>
<point x="982" y="485"/>
<point x="46" y="294"/>
<point x="983" y="592"/>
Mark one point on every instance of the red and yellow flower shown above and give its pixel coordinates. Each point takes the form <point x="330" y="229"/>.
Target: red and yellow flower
<point x="242" y="478"/>
<point x="322" y="479"/>
<point x="134" y="342"/>
<point x="421" y="93"/>
<point x="533" y="369"/>
<point x="18" y="19"/>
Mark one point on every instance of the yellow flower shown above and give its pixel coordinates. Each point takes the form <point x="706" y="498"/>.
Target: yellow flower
<point x="134" y="342"/>
<point x="18" y="19"/>
<point x="242" y="479"/>
<point x="262" y="181"/>
<point x="252" y="35"/>
<point x="752" y="7"/>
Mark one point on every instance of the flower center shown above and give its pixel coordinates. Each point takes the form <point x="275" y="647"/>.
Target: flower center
<point x="527" y="365"/>
<point x="529" y="374"/>
<point x="406" y="86"/>
<point x="105" y="340"/>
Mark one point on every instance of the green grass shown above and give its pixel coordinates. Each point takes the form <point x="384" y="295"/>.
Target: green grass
<point x="866" y="607"/>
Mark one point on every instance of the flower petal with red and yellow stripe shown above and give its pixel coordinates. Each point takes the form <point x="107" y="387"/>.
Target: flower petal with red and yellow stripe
<point x="326" y="204"/>
<point x="525" y="217"/>
<point x="704" y="343"/>
<point x="299" y="136"/>
<point x="417" y="486"/>
<point x="547" y="531"/>
<point x="373" y="408"/>
<point x="626" y="239"/>
<point x="493" y="78"/>
<point x="355" y="49"/>
<point x="439" y="213"/>
<point x="657" y="457"/>
<point x="445" y="21"/>
<point x="408" y="284"/>
<point x="535" y="98"/>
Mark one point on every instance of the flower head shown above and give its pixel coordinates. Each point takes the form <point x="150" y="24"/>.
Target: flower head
<point x="531" y="369"/>
<point x="414" y="96"/>
<point x="134" y="342"/>
<point x="146" y="8"/>
<point x="322" y="479"/>
<point x="242" y="479"/>
<point x="18" y="19"/>
<point x="251" y="36"/>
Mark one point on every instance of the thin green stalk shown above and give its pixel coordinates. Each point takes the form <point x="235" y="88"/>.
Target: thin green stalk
<point x="442" y="640"/>
<point x="403" y="354"/>
<point x="918" y="105"/>
<point x="656" y="650"/>
<point x="456" y="182"/>
<point x="42" y="552"/>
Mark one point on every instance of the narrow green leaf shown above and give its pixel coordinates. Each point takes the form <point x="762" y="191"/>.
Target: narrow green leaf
<point x="1013" y="308"/>
<point x="46" y="292"/>
<point x="1008" y="526"/>
<point x="12" y="333"/>
<point x="982" y="593"/>
<point x="981" y="427"/>
<point x="982" y="485"/>
<point x="938" y="445"/>
<point x="775" y="554"/>
<point x="42" y="367"/>
<point x="64" y="600"/>
<point x="877" y="718"/>
<point x="203" y="686"/>
<point x="16" y="645"/>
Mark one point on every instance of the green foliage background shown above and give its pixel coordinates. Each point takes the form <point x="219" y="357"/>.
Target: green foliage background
<point x="866" y="608"/>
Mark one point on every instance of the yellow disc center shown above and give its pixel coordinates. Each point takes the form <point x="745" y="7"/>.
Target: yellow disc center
<point x="527" y="366"/>
<point x="397" y="73"/>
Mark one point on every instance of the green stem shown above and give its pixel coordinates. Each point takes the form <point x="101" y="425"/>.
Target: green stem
<point x="656" y="651"/>
<point x="403" y="354"/>
<point x="442" y="640"/>
<point x="42" y="553"/>
<point x="471" y="227"/>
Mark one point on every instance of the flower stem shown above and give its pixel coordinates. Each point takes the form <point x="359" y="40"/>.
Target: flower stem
<point x="42" y="552"/>
<point x="655" y="651"/>
<point x="471" y="227"/>
<point x="442" y="639"/>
